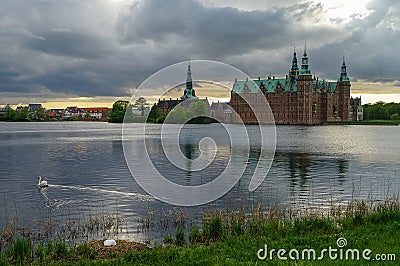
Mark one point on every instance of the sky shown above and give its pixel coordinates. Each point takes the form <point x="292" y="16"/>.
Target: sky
<point x="93" y="52"/>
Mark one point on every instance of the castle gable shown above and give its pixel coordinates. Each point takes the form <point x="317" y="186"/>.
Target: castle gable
<point x="296" y="99"/>
<point x="287" y="85"/>
<point x="321" y="86"/>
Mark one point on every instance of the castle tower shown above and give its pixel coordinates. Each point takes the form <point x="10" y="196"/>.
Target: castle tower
<point x="304" y="63"/>
<point x="343" y="85"/>
<point x="294" y="71"/>
<point x="343" y="72"/>
<point x="189" y="91"/>
<point x="304" y="91"/>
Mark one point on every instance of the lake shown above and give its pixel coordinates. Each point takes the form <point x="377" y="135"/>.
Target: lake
<point x="314" y="167"/>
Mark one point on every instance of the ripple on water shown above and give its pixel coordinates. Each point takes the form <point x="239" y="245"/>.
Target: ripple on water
<point x="85" y="166"/>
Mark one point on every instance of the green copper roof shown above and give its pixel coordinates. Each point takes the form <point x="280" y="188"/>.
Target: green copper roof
<point x="287" y="85"/>
<point x="188" y="94"/>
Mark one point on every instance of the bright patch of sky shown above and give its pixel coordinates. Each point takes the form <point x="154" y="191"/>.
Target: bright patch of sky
<point x="345" y="10"/>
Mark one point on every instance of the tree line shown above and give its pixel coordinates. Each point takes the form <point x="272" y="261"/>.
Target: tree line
<point x="120" y="108"/>
<point x="23" y="114"/>
<point x="123" y="110"/>
<point x="382" y="111"/>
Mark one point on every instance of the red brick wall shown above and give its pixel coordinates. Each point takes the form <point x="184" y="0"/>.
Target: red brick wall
<point x="301" y="107"/>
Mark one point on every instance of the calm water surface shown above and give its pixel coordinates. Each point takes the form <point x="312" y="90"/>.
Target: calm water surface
<point x="85" y="166"/>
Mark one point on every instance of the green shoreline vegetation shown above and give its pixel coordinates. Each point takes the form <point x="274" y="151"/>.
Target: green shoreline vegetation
<point x="235" y="237"/>
<point x="365" y="122"/>
<point x="379" y="113"/>
<point x="179" y="115"/>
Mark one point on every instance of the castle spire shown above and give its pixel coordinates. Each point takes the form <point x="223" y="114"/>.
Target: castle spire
<point x="343" y="71"/>
<point x="294" y="71"/>
<point x="189" y="74"/>
<point x="304" y="62"/>
<point x="189" y="91"/>
<point x="294" y="60"/>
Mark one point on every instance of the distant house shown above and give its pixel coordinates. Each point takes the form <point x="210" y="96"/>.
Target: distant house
<point x="35" y="111"/>
<point x="72" y="111"/>
<point x="34" y="106"/>
<point x="165" y="106"/>
<point x="2" y="112"/>
<point x="55" y="113"/>
<point x="97" y="113"/>
<point x="356" y="109"/>
<point x="223" y="112"/>
<point x="19" y="108"/>
<point x="56" y="110"/>
<point x="139" y="110"/>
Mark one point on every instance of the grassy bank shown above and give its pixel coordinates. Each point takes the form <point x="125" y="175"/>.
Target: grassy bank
<point x="235" y="238"/>
<point x="365" y="122"/>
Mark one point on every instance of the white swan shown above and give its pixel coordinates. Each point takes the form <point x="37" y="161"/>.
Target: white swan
<point x="42" y="183"/>
<point x="110" y="241"/>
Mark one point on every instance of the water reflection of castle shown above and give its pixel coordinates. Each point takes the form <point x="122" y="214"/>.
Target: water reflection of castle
<point x="298" y="98"/>
<point x="302" y="167"/>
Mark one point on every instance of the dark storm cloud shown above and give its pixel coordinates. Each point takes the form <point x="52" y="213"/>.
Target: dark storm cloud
<point x="71" y="44"/>
<point x="217" y="32"/>
<point x="91" y="48"/>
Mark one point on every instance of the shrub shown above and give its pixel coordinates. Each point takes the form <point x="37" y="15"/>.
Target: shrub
<point x="85" y="252"/>
<point x="40" y="253"/>
<point x="168" y="239"/>
<point x="180" y="237"/>
<point x="194" y="235"/>
<point x="57" y="250"/>
<point x="305" y="225"/>
<point x="213" y="229"/>
<point x="395" y="116"/>
<point x="237" y="228"/>
<point x="20" y="251"/>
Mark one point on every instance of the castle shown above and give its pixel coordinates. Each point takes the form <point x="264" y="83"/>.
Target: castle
<point x="299" y="98"/>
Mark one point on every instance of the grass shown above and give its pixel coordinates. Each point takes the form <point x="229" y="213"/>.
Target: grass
<point x="365" y="122"/>
<point x="20" y="251"/>
<point x="75" y="229"/>
<point x="235" y="238"/>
